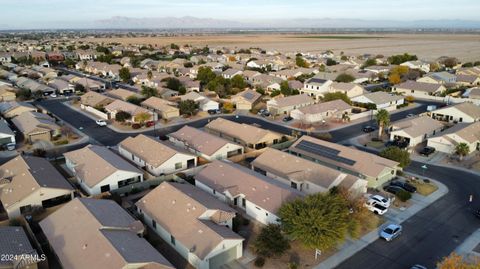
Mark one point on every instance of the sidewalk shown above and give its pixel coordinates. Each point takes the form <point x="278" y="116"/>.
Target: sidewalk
<point x="350" y="247"/>
<point x="470" y="248"/>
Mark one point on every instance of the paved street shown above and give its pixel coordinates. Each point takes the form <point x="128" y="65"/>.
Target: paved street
<point x="431" y="234"/>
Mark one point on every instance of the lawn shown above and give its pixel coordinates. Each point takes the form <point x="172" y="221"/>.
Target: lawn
<point x="424" y="188"/>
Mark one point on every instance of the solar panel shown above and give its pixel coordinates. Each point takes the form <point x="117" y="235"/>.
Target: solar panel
<point x="248" y="95"/>
<point x="323" y="151"/>
<point x="317" y="80"/>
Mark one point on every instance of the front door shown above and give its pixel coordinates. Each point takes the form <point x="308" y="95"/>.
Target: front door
<point x="105" y="188"/>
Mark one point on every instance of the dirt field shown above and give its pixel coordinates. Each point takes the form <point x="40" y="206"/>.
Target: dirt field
<point x="427" y="46"/>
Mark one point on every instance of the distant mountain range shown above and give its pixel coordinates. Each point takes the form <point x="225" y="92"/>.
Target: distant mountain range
<point x="119" y="22"/>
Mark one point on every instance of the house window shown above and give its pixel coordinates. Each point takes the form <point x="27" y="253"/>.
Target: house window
<point x="172" y="240"/>
<point x="214" y="191"/>
<point x="266" y="214"/>
<point x="178" y="166"/>
<point x="154" y="224"/>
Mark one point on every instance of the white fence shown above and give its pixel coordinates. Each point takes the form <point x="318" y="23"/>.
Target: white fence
<point x="94" y="111"/>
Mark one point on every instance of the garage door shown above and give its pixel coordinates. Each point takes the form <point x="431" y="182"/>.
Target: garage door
<point x="223" y="258"/>
<point x="5" y="140"/>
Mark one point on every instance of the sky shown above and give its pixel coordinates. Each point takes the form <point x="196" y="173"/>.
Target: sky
<point x="35" y="14"/>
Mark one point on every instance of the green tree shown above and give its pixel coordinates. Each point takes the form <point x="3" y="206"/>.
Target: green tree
<point x="122" y="116"/>
<point x="271" y="242"/>
<point x="336" y="96"/>
<point x="79" y="88"/>
<point x="124" y="74"/>
<point x="205" y="75"/>
<point x="149" y="74"/>
<point x="300" y="62"/>
<point x="187" y="107"/>
<point x="134" y="100"/>
<point x="396" y="154"/>
<point x="321" y="220"/>
<point x="369" y="62"/>
<point x="383" y="120"/>
<point x="69" y="62"/>
<point x="173" y="84"/>
<point x="23" y="94"/>
<point x="347" y="78"/>
<point x="331" y="62"/>
<point x="142" y="117"/>
<point x="286" y="90"/>
<point x="238" y="82"/>
<point x="401" y="58"/>
<point x="149" y="91"/>
<point x="462" y="150"/>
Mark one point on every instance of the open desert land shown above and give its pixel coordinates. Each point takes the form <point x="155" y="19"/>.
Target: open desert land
<point x="465" y="47"/>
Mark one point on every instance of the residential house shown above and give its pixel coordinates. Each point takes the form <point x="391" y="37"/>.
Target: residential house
<point x="461" y="112"/>
<point x="378" y="69"/>
<point x="90" y="84"/>
<point x="31" y="183"/>
<point x="316" y="87"/>
<point x="123" y="94"/>
<point x="16" y="243"/>
<point x="230" y="73"/>
<point x="95" y="103"/>
<point x="349" y="89"/>
<point x="447" y="141"/>
<point x="36" y="126"/>
<point x="161" y="107"/>
<point x="155" y="156"/>
<point x="7" y="136"/>
<point x="5" y="57"/>
<point x="14" y="108"/>
<point x="419" y="65"/>
<point x="439" y="78"/>
<point x="98" y="169"/>
<point x="420" y="89"/>
<point x="61" y="86"/>
<point x="284" y="105"/>
<point x="336" y="109"/>
<point x="7" y="93"/>
<point x="196" y="225"/>
<point x="98" y="233"/>
<point x="118" y="105"/>
<point x="381" y="100"/>
<point x="415" y="130"/>
<point x="259" y="196"/>
<point x="246" y="100"/>
<point x="469" y="71"/>
<point x="204" y="144"/>
<point x="289" y="74"/>
<point x="243" y="134"/>
<point x="468" y="80"/>
<point x="304" y="175"/>
<point x="249" y="75"/>
<point x="204" y="103"/>
<point x="371" y="167"/>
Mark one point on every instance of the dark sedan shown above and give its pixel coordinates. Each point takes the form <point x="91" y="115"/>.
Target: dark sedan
<point x="368" y="129"/>
<point x="404" y="185"/>
<point x="392" y="189"/>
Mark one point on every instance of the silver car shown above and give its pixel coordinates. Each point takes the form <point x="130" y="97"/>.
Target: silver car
<point x="391" y="232"/>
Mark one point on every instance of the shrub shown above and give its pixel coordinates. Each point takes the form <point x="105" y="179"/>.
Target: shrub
<point x="271" y="242"/>
<point x="259" y="262"/>
<point x="61" y="142"/>
<point x="426" y="180"/>
<point x="404" y="195"/>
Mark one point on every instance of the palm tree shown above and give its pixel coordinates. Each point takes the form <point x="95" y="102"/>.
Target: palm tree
<point x="383" y="120"/>
<point x="462" y="150"/>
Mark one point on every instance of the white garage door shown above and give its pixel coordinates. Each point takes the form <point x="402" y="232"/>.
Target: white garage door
<point x="223" y="258"/>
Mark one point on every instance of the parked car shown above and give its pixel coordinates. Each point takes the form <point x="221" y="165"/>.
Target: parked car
<point x="375" y="207"/>
<point x="214" y="111"/>
<point x="411" y="115"/>
<point x="368" y="129"/>
<point x="477" y="213"/>
<point x="53" y="95"/>
<point x="427" y="151"/>
<point x="287" y="119"/>
<point x="391" y="232"/>
<point x="404" y="185"/>
<point x="101" y="123"/>
<point x="149" y="123"/>
<point x="392" y="189"/>
<point x="418" y="266"/>
<point x="10" y="146"/>
<point x="263" y="112"/>
<point x="381" y="200"/>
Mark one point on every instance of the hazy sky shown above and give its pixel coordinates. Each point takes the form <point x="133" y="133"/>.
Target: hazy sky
<point x="83" y="13"/>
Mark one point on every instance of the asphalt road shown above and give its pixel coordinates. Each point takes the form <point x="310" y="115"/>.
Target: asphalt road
<point x="433" y="232"/>
<point x="428" y="236"/>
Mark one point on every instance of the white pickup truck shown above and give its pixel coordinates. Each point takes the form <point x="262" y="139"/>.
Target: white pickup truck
<point x="101" y="123"/>
<point x="375" y="207"/>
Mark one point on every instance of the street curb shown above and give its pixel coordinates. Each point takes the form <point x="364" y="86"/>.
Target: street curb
<point x="359" y="244"/>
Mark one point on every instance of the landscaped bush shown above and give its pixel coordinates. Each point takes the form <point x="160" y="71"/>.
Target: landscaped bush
<point x="60" y="142"/>
<point x="404" y="195"/>
<point x="259" y="262"/>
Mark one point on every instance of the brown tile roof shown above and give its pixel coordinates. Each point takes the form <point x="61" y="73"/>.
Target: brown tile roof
<point x="26" y="175"/>
<point x="295" y="168"/>
<point x="94" y="163"/>
<point x="91" y="233"/>
<point x="199" y="140"/>
<point x="292" y="100"/>
<point x="419" y="86"/>
<point x="417" y="126"/>
<point x="365" y="163"/>
<point x="158" y="104"/>
<point x="245" y="132"/>
<point x="32" y="122"/>
<point x="228" y="177"/>
<point x="189" y="214"/>
<point x="119" y="105"/>
<point x="93" y="99"/>
<point x="335" y="105"/>
<point x="151" y="150"/>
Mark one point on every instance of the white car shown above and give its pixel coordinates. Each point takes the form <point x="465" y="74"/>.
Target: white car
<point x="101" y="123"/>
<point x="381" y="200"/>
<point x="376" y="207"/>
<point x="53" y="95"/>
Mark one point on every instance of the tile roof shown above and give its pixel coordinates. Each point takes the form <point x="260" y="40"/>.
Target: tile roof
<point x="14" y="241"/>
<point x="245" y="132"/>
<point x="201" y="141"/>
<point x="91" y="233"/>
<point x="417" y="126"/>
